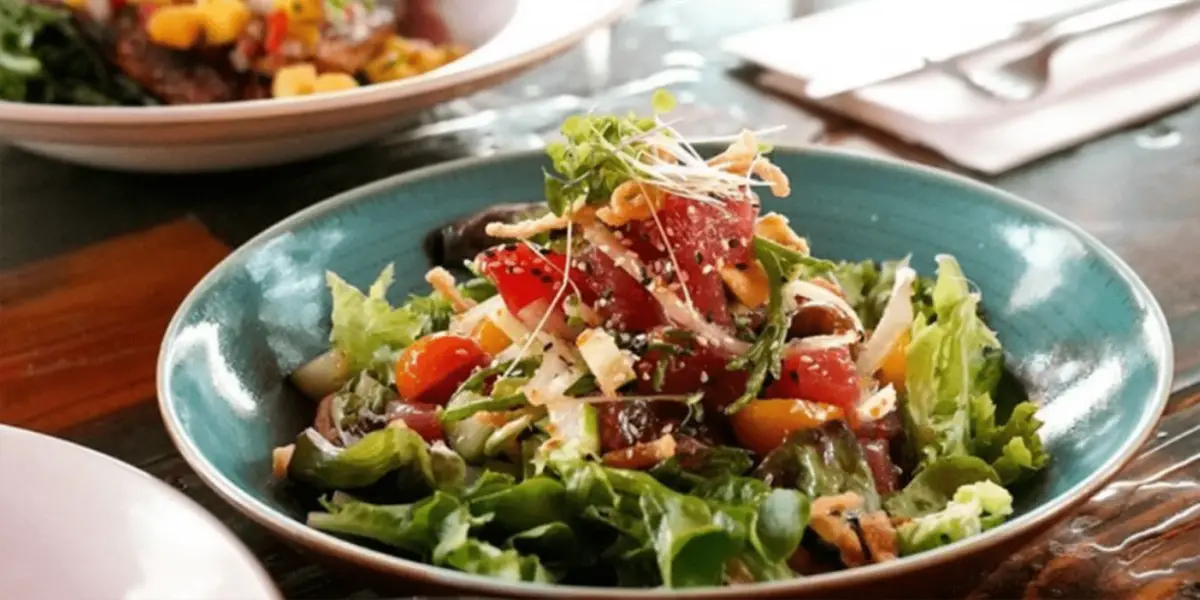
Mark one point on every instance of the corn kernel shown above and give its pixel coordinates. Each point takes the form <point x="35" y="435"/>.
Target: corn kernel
<point x="307" y="11"/>
<point x="176" y="27"/>
<point x="333" y="82"/>
<point x="294" y="80"/>
<point x="224" y="20"/>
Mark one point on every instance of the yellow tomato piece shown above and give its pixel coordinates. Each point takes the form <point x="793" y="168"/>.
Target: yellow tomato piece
<point x="762" y="425"/>
<point x="224" y="20"/>
<point x="387" y="67"/>
<point x="895" y="363"/>
<point x="428" y="59"/>
<point x="491" y="338"/>
<point x="333" y="82"/>
<point x="177" y="27"/>
<point x="294" y="80"/>
<point x="308" y="34"/>
<point x="308" y="11"/>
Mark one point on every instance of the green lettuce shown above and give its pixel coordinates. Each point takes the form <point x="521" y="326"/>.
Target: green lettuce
<point x="684" y="472"/>
<point x="369" y="331"/>
<point x="320" y="464"/>
<point x="955" y="364"/>
<point x="823" y="461"/>
<point x="436" y="529"/>
<point x="974" y="508"/>
<point x="932" y="489"/>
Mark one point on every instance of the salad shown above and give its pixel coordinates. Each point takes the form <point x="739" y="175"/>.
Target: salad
<point x="654" y="383"/>
<point x="144" y="52"/>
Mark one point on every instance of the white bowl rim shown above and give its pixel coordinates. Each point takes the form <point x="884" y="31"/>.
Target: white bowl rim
<point x="54" y="114"/>
<point x="382" y="562"/>
<point x="231" y="541"/>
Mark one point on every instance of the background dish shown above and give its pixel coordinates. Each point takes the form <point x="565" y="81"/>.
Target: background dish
<point x="507" y="37"/>
<point x="1081" y="328"/>
<point x="91" y="527"/>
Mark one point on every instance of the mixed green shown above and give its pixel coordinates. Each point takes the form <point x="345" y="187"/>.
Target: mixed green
<point x="45" y="57"/>
<point x="656" y="385"/>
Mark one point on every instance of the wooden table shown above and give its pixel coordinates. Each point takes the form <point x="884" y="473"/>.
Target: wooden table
<point x="93" y="264"/>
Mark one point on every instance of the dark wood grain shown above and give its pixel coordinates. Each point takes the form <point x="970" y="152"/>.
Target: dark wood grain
<point x="81" y="332"/>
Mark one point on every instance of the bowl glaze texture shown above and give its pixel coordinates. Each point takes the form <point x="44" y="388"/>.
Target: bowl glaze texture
<point x="1080" y="329"/>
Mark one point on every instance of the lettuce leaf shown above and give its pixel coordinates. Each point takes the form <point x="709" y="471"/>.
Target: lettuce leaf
<point x="931" y="490"/>
<point x="955" y="364"/>
<point x="436" y="529"/>
<point x="360" y="407"/>
<point x="683" y="473"/>
<point x="974" y="508"/>
<point x="319" y="463"/>
<point x="369" y="331"/>
<point x="824" y="461"/>
<point x="945" y="357"/>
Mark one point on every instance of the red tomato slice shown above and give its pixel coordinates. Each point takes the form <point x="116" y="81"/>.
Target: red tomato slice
<point x="522" y="277"/>
<point x="825" y="375"/>
<point x="277" y="28"/>
<point x="430" y="370"/>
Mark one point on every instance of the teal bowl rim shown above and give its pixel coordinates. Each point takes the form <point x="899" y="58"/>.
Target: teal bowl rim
<point x="302" y="535"/>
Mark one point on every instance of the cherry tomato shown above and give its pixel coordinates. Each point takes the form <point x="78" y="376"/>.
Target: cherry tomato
<point x="762" y="425"/>
<point x="824" y="375"/>
<point x="522" y="277"/>
<point x="434" y="366"/>
<point x="277" y="28"/>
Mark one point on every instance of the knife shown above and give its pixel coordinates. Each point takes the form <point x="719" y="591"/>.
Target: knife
<point x="827" y="87"/>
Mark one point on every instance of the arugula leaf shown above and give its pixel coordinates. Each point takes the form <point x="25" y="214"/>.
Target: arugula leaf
<point x="975" y="508"/>
<point x="765" y="356"/>
<point x="824" y="461"/>
<point x="931" y="490"/>
<point x="319" y="463"/>
<point x="468" y="399"/>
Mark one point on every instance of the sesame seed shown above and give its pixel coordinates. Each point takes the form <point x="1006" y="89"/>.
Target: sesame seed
<point x="703" y="376"/>
<point x="707" y="269"/>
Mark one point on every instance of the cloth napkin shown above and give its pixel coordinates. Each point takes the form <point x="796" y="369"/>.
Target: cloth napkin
<point x="1099" y="82"/>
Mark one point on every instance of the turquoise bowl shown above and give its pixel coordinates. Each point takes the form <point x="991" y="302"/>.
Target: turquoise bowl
<point x="1080" y="329"/>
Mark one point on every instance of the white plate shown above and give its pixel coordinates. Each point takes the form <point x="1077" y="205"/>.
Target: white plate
<point x="77" y="524"/>
<point x="508" y="36"/>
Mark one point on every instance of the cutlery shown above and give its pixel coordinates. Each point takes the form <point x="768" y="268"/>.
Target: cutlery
<point x="1026" y="77"/>
<point x="1029" y="30"/>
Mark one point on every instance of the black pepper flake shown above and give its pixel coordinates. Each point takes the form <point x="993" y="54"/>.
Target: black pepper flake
<point x="549" y="345"/>
<point x="794" y="376"/>
<point x="735" y="243"/>
<point x="546" y="279"/>
<point x="537" y="272"/>
<point x="741" y="266"/>
<point x="699" y="257"/>
<point x="708" y="315"/>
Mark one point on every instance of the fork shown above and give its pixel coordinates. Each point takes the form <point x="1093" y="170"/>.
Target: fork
<point x="1026" y="77"/>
